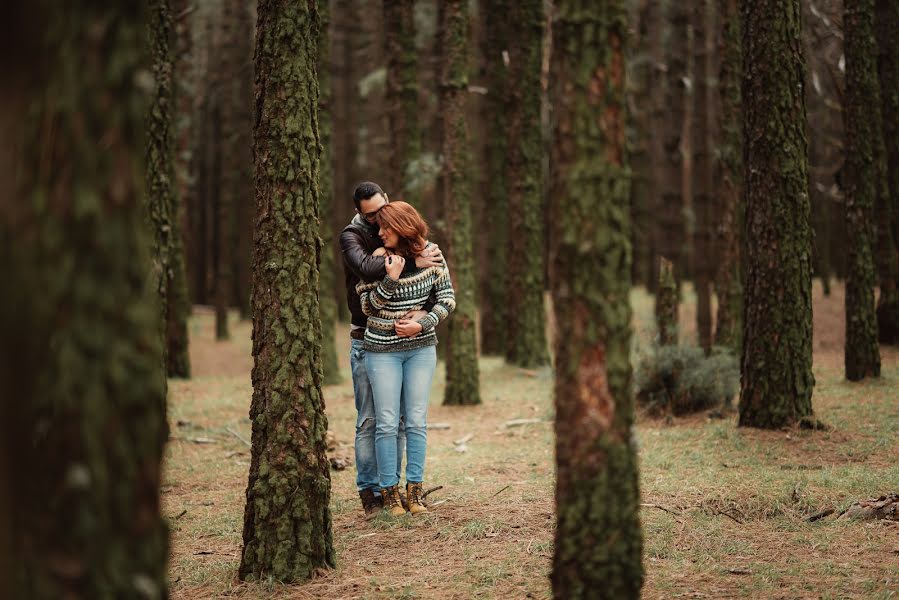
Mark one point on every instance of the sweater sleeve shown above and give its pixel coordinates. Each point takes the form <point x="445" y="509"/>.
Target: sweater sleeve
<point x="445" y="301"/>
<point x="375" y="296"/>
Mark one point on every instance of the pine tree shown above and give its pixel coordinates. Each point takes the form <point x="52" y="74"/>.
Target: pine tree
<point x="729" y="182"/>
<point x="777" y="380"/>
<point x="90" y="413"/>
<point x="496" y="109"/>
<point x="402" y="96"/>
<point x="526" y="338"/>
<point x="462" y="374"/>
<point x="887" y="207"/>
<point x="864" y="180"/>
<point x="327" y="301"/>
<point x="287" y="523"/>
<point x="598" y="542"/>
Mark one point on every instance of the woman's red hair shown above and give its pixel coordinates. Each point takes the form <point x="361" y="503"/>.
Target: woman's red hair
<point x="404" y="220"/>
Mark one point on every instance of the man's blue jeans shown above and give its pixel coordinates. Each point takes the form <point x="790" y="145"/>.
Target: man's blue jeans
<point x="366" y="462"/>
<point x="401" y="383"/>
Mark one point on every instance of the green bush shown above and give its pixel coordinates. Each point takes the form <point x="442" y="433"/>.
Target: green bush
<point x="683" y="380"/>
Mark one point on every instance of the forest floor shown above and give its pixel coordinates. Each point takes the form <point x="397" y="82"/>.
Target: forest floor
<point x="725" y="507"/>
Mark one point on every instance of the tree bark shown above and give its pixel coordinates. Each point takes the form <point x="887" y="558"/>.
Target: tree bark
<point x="777" y="380"/>
<point x="287" y="522"/>
<point x="90" y="409"/>
<point x="864" y="179"/>
<point x="462" y="373"/>
<point x="667" y="304"/>
<point x="525" y="313"/>
<point x="729" y="182"/>
<point x="598" y="542"/>
<point x="887" y="207"/>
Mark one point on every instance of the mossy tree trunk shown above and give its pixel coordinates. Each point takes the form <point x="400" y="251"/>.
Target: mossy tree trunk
<point x="525" y="312"/>
<point x="462" y="373"/>
<point x="864" y="179"/>
<point x="402" y="97"/>
<point x="729" y="182"/>
<point x="598" y="542"/>
<point x="887" y="207"/>
<point x="496" y="107"/>
<point x="777" y="381"/>
<point x="287" y="522"/>
<point x="91" y="414"/>
<point x="328" y="271"/>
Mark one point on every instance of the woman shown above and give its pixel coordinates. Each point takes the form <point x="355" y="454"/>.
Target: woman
<point x="400" y="354"/>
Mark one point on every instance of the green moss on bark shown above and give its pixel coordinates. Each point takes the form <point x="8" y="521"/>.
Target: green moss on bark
<point x="864" y="179"/>
<point x="777" y="380"/>
<point x="462" y="373"/>
<point x="598" y="542"/>
<point x="287" y="522"/>
<point x="525" y="313"/>
<point x="86" y="512"/>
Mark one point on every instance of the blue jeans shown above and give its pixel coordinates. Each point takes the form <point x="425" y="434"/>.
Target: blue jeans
<point x="401" y="383"/>
<point x="366" y="461"/>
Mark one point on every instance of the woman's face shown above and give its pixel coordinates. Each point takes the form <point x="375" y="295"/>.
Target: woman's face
<point x="389" y="237"/>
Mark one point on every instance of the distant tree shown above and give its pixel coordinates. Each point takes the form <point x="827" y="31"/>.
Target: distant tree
<point x="462" y="374"/>
<point x="90" y="409"/>
<point x="328" y="271"/>
<point x="495" y="14"/>
<point x="728" y="216"/>
<point x="287" y="531"/>
<point x="666" y="304"/>
<point x="887" y="206"/>
<point x="598" y="542"/>
<point x="777" y="380"/>
<point x="864" y="179"/>
<point x="525" y="313"/>
<point x="402" y="96"/>
<point x="656" y="32"/>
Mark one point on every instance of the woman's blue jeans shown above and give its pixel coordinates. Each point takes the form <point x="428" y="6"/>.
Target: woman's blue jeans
<point x="407" y="375"/>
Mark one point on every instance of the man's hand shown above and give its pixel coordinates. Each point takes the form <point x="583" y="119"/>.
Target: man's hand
<point x="415" y="315"/>
<point x="395" y="266"/>
<point x="429" y="257"/>
<point x="406" y="328"/>
<point x="382" y="251"/>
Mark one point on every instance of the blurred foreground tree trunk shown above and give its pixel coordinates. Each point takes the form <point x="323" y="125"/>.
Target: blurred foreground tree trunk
<point x="864" y="180"/>
<point x="777" y="380"/>
<point x="287" y="522"/>
<point x="462" y="373"/>
<point x="525" y="313"/>
<point x="598" y="542"/>
<point x="89" y="410"/>
<point x="887" y="207"/>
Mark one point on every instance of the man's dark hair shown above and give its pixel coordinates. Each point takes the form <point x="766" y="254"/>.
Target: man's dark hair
<point x="365" y="191"/>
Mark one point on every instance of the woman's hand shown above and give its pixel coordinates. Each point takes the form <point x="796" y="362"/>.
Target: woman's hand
<point x="395" y="264"/>
<point x="407" y="328"/>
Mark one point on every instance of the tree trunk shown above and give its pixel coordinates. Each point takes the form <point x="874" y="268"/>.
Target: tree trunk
<point x="327" y="302"/>
<point x="729" y="182"/>
<point x="525" y="313"/>
<point x="462" y="376"/>
<point x="496" y="106"/>
<point x="402" y="98"/>
<point x="666" y="304"/>
<point x="90" y="409"/>
<point x="887" y="208"/>
<point x="598" y="542"/>
<point x="703" y="184"/>
<point x="287" y="523"/>
<point x="777" y="380"/>
<point x="864" y="179"/>
<point x="655" y="30"/>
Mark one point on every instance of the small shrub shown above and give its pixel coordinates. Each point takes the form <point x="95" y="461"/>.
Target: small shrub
<point x="683" y="380"/>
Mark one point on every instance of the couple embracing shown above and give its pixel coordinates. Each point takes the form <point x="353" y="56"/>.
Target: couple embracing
<point x="398" y="290"/>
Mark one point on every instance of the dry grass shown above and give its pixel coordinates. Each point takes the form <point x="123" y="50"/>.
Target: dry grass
<point x="740" y="496"/>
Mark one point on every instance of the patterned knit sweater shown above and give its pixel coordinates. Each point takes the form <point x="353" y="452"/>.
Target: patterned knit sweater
<point x="387" y="300"/>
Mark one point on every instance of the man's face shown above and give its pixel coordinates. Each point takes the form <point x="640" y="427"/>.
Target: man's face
<point x="369" y="208"/>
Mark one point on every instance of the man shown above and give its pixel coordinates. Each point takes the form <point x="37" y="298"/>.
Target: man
<point x="358" y="241"/>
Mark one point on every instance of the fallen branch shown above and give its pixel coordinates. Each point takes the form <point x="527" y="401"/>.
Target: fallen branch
<point x="500" y="492"/>
<point x="433" y="489"/>
<point x="520" y="422"/>
<point x="819" y="515"/>
<point x="464" y="440"/>
<point x="238" y="436"/>
<point x="669" y="511"/>
<point x="729" y="516"/>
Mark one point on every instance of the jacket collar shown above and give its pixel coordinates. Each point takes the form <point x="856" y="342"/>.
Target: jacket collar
<point x="359" y="221"/>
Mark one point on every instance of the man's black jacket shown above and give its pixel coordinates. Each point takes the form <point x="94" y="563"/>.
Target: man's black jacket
<point x="357" y="242"/>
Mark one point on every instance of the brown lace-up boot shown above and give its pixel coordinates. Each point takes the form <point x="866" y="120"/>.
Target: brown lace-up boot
<point x="393" y="503"/>
<point x="371" y="504"/>
<point x="414" y="492"/>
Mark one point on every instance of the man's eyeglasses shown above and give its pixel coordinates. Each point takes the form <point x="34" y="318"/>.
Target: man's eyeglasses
<point x="370" y="216"/>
